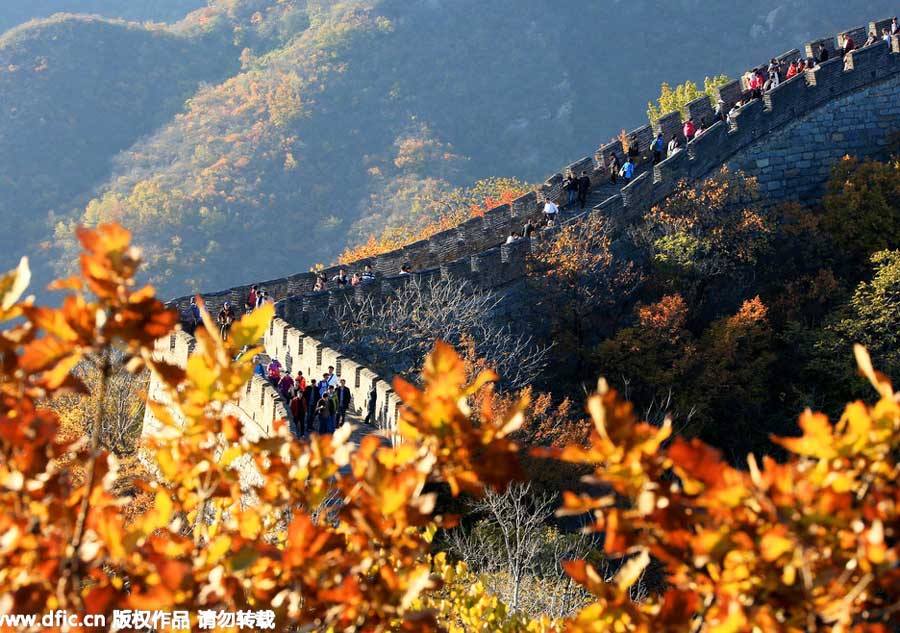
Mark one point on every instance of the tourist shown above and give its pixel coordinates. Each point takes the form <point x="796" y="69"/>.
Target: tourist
<point x="528" y="230"/>
<point x="355" y="279"/>
<point x="343" y="395"/>
<point x="320" y="284"/>
<point x="584" y="187"/>
<point x="300" y="382"/>
<point x="258" y="368"/>
<point x="732" y="114"/>
<point x="822" y="53"/>
<point x="367" y="274"/>
<point x="194" y="319"/>
<point x="886" y="36"/>
<point x="634" y="149"/>
<point x="627" y="171"/>
<point x="225" y="319"/>
<point x="274" y="371"/>
<point x="250" y="305"/>
<point x="895" y="27"/>
<point x="658" y="146"/>
<point x="371" y="402"/>
<point x="298" y="414"/>
<point x="720" y="113"/>
<point x="701" y="129"/>
<point x="513" y="237"/>
<point x="310" y="398"/>
<point x="793" y="69"/>
<point x="570" y="184"/>
<point x="286" y="386"/>
<point x="689" y="130"/>
<point x="873" y="37"/>
<point x="550" y="210"/>
<point x="674" y="146"/>
<point x="405" y="269"/>
<point x="341" y="278"/>
<point x="324" y="413"/>
<point x="613" y="166"/>
<point x="848" y="46"/>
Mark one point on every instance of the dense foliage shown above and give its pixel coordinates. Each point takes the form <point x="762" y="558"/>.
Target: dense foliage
<point x="336" y="539"/>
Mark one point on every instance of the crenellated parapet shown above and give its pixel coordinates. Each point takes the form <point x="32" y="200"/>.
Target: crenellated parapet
<point x="298" y="351"/>
<point x="258" y="407"/>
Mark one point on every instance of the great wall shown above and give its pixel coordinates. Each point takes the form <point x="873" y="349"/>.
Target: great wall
<point x="788" y="139"/>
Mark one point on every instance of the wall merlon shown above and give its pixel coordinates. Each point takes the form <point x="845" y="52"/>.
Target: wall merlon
<point x="603" y="153"/>
<point x="730" y="93"/>
<point x="644" y="136"/>
<point x="669" y="125"/>
<point x="811" y="49"/>
<point x="417" y="254"/>
<point x="858" y="33"/>
<point x="878" y="25"/>
<point x="525" y="205"/>
<point x="498" y="221"/>
<point x="700" y="110"/>
<point x="445" y="245"/>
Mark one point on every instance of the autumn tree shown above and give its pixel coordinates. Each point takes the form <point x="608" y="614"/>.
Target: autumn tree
<point x="580" y="287"/>
<point x="518" y="553"/>
<point x="708" y="236"/>
<point x="396" y="331"/>
<point x="675" y="99"/>
<point x="696" y="380"/>
<point x="862" y="208"/>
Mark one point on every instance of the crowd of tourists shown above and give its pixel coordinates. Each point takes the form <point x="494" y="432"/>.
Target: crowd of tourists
<point x="315" y="406"/>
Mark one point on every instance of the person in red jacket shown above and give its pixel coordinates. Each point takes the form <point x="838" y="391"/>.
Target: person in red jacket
<point x="689" y="129"/>
<point x="792" y="70"/>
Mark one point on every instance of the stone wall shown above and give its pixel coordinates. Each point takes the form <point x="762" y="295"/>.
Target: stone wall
<point x="796" y="163"/>
<point x="258" y="407"/>
<point x="789" y="139"/>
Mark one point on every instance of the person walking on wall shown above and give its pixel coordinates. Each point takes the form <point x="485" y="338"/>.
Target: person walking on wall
<point x="674" y="147"/>
<point x="634" y="149"/>
<point x="193" y="319"/>
<point x="584" y="187"/>
<point x="250" y="304"/>
<point x="310" y="398"/>
<point x="550" y="210"/>
<point x="298" y="414"/>
<point x="225" y="319"/>
<point x="848" y="46"/>
<point x="627" y="171"/>
<point x="343" y="402"/>
<point x="822" y="53"/>
<point x="613" y="166"/>
<point x="658" y="146"/>
<point x="371" y="404"/>
<point x="571" y="186"/>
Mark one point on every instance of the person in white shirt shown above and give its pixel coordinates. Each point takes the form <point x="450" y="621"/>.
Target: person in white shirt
<point x="551" y="211"/>
<point x="673" y="148"/>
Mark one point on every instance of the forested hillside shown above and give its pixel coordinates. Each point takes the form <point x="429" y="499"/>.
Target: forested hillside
<point x="271" y="134"/>
<point x="16" y="12"/>
<point x="76" y="91"/>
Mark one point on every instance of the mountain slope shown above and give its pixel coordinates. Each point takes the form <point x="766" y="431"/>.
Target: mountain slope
<point x="15" y="12"/>
<point x="76" y="91"/>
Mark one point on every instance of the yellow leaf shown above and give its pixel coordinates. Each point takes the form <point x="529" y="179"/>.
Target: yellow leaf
<point x="13" y="284"/>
